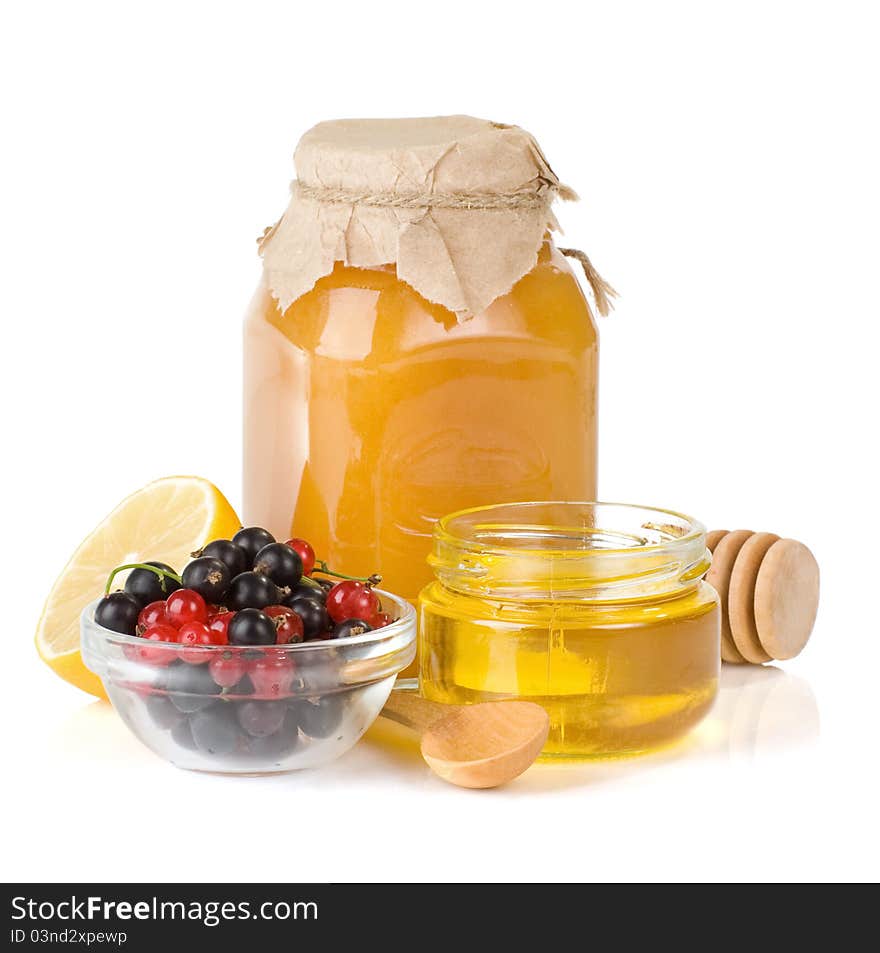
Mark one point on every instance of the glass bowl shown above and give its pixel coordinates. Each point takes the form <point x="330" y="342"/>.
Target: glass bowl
<point x="294" y="706"/>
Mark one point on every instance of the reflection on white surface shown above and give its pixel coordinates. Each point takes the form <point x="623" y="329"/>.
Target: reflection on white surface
<point x="760" y="710"/>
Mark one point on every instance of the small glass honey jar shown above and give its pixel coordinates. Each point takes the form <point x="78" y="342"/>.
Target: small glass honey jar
<point x="597" y="611"/>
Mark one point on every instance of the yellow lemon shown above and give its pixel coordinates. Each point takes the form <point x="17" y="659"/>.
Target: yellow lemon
<point x="166" y="520"/>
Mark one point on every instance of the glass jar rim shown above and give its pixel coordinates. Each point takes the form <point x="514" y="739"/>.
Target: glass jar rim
<point x="569" y="550"/>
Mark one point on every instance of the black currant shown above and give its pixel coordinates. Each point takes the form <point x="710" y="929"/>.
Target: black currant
<point x="278" y="745"/>
<point x="215" y="730"/>
<point x="319" y="718"/>
<point x="251" y="627"/>
<point x="190" y="687"/>
<point x="252" y="539"/>
<point x="162" y="712"/>
<point x="190" y="703"/>
<point x="351" y="627"/>
<point x="326" y="584"/>
<point x="280" y="563"/>
<point x="181" y="735"/>
<point x="227" y="552"/>
<point x="313" y="614"/>
<point x="119" y="611"/>
<point x="147" y="586"/>
<point x="252" y="590"/>
<point x="307" y="588"/>
<point x="209" y="577"/>
<point x="261" y="718"/>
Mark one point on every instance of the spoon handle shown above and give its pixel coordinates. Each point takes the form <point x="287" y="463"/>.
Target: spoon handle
<point x="410" y="709"/>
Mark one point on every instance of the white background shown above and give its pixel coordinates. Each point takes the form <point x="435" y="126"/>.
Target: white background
<point x="727" y="158"/>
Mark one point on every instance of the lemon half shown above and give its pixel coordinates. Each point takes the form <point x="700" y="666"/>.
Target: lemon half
<point x="166" y="520"/>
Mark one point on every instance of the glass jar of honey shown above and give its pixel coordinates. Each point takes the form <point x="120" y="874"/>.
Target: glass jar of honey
<point x="599" y="612"/>
<point x="417" y="345"/>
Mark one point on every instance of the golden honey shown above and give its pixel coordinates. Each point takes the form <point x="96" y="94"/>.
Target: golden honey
<point x="598" y="612"/>
<point x="370" y="412"/>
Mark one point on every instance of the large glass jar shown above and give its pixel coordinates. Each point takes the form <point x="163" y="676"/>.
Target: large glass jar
<point x="599" y="612"/>
<point x="370" y="412"/>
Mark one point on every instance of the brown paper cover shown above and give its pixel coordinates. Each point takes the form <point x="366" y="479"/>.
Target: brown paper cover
<point x="459" y="205"/>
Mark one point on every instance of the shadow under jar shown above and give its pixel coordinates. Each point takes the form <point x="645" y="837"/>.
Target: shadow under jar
<point x="599" y="612"/>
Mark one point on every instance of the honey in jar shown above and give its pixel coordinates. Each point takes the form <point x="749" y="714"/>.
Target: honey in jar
<point x="417" y="345"/>
<point x="598" y="612"/>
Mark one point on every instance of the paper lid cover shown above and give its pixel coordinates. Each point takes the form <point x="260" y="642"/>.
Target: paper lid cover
<point x="459" y="205"/>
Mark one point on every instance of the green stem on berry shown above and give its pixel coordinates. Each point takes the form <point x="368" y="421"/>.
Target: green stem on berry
<point x="161" y="573"/>
<point x="322" y="567"/>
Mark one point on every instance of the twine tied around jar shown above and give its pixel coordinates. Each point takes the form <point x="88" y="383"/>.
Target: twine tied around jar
<point x="538" y="197"/>
<point x="602" y="291"/>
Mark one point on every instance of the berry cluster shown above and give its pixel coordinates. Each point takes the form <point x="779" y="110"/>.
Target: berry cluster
<point x="247" y="591"/>
<point x="262" y="717"/>
<point x="250" y="594"/>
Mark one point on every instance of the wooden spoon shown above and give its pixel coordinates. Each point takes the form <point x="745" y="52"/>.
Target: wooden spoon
<point x="473" y="746"/>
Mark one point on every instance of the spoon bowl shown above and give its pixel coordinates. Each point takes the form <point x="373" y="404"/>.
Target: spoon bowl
<point x="487" y="744"/>
<point x="474" y="746"/>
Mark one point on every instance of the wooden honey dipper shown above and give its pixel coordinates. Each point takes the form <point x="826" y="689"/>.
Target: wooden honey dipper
<point x="769" y="592"/>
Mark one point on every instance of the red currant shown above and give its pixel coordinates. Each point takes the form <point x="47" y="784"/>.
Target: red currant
<point x="184" y="606"/>
<point x="153" y="614"/>
<point x="220" y="623"/>
<point x="227" y="669"/>
<point x="306" y="554"/>
<point x="382" y="619"/>
<point x="352" y="600"/>
<point x="192" y="636"/>
<point x="272" y="675"/>
<point x="154" y="655"/>
<point x="288" y="625"/>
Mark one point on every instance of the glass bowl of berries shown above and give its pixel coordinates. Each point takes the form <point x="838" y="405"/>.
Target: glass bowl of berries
<point x="246" y="663"/>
